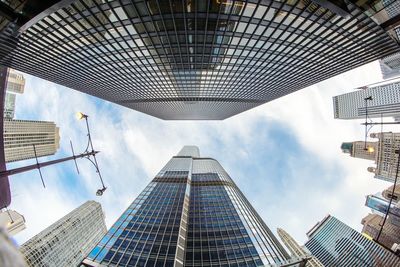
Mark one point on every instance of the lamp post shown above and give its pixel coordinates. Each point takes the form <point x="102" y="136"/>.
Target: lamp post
<point x="88" y="153"/>
<point x="89" y="149"/>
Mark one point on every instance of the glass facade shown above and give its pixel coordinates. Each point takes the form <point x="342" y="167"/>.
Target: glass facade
<point x="191" y="214"/>
<point x="336" y="244"/>
<point x="193" y="59"/>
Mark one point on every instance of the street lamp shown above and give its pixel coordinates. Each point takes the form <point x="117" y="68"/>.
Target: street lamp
<point x="88" y="153"/>
<point x="90" y="149"/>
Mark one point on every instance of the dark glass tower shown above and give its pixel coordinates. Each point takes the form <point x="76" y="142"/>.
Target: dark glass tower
<point x="191" y="59"/>
<point x="191" y="214"/>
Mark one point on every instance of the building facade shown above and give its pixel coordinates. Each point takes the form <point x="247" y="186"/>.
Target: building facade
<point x="15" y="82"/>
<point x="385" y="102"/>
<point x="383" y="152"/>
<point x="361" y="149"/>
<point x="191" y="214"/>
<point x="336" y="244"/>
<point x="22" y="138"/>
<point x="390" y="66"/>
<point x="15" y="85"/>
<point x="67" y="241"/>
<point x="390" y="233"/>
<point x="380" y="206"/>
<point x="191" y="59"/>
<point x="296" y="250"/>
<point x="389" y="194"/>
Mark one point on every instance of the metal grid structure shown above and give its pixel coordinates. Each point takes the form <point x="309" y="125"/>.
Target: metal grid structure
<point x="191" y="214"/>
<point x="192" y="59"/>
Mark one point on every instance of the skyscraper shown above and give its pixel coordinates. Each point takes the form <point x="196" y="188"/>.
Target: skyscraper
<point x="191" y="214"/>
<point x="20" y="137"/>
<point x="191" y="59"/>
<point x="361" y="149"/>
<point x="390" y="233"/>
<point x="67" y="241"/>
<point x="390" y="66"/>
<point x="15" y="84"/>
<point x="296" y="250"/>
<point x="385" y="102"/>
<point x="336" y="244"/>
<point x="383" y="152"/>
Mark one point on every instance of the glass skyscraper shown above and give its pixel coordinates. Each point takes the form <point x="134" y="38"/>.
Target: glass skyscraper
<point x="191" y="59"/>
<point x="191" y="214"/>
<point x="336" y="244"/>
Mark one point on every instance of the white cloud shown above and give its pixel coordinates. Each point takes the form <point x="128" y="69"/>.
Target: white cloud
<point x="134" y="147"/>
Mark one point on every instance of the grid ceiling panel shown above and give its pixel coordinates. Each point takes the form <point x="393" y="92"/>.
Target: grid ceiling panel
<point x="192" y="59"/>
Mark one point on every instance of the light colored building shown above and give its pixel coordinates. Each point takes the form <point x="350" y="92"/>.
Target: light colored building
<point x="390" y="233"/>
<point x="336" y="244"/>
<point x="360" y="149"/>
<point x="9" y="105"/>
<point x="296" y="250"/>
<point x="69" y="240"/>
<point x="390" y="66"/>
<point x="388" y="193"/>
<point x="383" y="152"/>
<point x="12" y="221"/>
<point x="21" y="135"/>
<point x="385" y="102"/>
<point x="15" y="84"/>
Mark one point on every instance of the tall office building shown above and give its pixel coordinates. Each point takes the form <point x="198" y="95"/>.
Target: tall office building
<point x="191" y="214"/>
<point x="296" y="250"/>
<point x="67" y="241"/>
<point x="15" y="84"/>
<point x="385" y="102"/>
<point x="384" y="12"/>
<point x="21" y="136"/>
<point x="390" y="233"/>
<point x="390" y="66"/>
<point x="380" y="206"/>
<point x="361" y="149"/>
<point x="191" y="59"/>
<point x="336" y="244"/>
<point x="383" y="152"/>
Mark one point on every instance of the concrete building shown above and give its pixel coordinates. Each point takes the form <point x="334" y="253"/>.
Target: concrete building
<point x="361" y="149"/>
<point x="385" y="102"/>
<point x="192" y="59"/>
<point x="15" y="82"/>
<point x="20" y="137"/>
<point x="390" y="233"/>
<point x="390" y="66"/>
<point x="383" y="152"/>
<point x="336" y="244"/>
<point x="67" y="241"/>
<point x="296" y="250"/>
<point x="191" y="214"/>
<point x="12" y="221"/>
<point x="388" y="193"/>
<point x="15" y="85"/>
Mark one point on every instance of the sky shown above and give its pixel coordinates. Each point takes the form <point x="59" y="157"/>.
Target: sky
<point x="284" y="155"/>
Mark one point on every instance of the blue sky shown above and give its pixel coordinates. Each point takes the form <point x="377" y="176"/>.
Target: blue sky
<point x="284" y="155"/>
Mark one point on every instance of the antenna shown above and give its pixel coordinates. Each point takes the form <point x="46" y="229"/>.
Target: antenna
<point x="38" y="165"/>
<point x="73" y="154"/>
